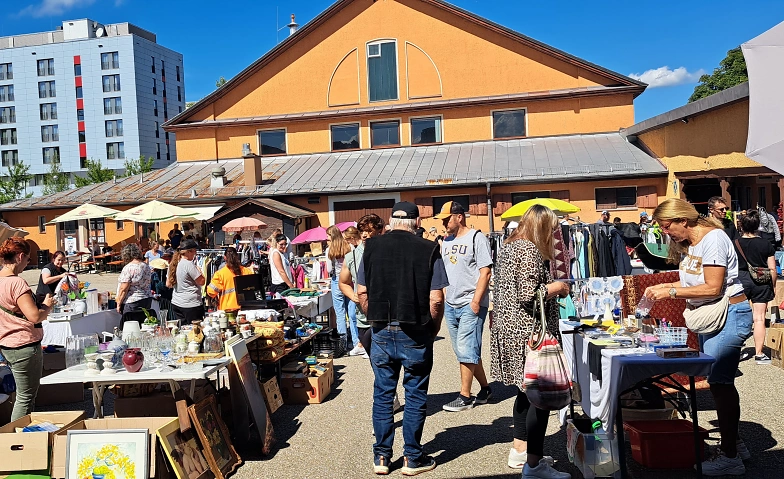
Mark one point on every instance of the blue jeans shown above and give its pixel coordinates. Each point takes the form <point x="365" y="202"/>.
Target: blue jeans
<point x="413" y="350"/>
<point x="725" y="345"/>
<point x="343" y="306"/>
<point x="465" y="329"/>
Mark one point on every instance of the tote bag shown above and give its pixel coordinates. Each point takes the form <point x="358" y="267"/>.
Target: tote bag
<point x="546" y="380"/>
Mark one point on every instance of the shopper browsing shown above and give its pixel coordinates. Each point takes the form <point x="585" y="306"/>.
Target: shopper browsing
<point x="709" y="272"/>
<point x="51" y="274"/>
<point x="20" y="325"/>
<point x="400" y="282"/>
<point x="337" y="249"/>
<point x="186" y="280"/>
<point x="280" y="270"/>
<point x="153" y="253"/>
<point x="134" y="285"/>
<point x="467" y="258"/>
<point x="521" y="274"/>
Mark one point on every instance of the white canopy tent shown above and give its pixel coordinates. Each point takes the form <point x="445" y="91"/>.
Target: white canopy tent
<point x="765" y="62"/>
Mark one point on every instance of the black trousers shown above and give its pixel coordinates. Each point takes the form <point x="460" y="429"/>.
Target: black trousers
<point x="187" y="315"/>
<point x="530" y="424"/>
<point x="366" y="338"/>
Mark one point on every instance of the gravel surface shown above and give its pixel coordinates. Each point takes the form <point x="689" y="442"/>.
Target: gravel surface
<point x="334" y="439"/>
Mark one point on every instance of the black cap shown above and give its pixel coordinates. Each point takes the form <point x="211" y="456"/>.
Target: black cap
<point x="188" y="244"/>
<point x="405" y="210"/>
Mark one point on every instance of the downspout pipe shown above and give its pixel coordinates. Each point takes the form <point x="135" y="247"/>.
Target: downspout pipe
<point x="490" y="216"/>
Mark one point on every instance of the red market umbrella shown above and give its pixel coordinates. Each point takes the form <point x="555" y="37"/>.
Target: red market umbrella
<point x="244" y="224"/>
<point x="311" y="236"/>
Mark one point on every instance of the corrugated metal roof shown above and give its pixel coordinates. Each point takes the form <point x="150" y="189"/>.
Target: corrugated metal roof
<point x="528" y="160"/>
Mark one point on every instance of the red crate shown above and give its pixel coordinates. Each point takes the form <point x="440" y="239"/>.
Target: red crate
<point x="664" y="444"/>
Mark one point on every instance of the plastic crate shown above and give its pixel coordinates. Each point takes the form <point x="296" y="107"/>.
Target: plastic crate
<point x="672" y="336"/>
<point x="664" y="444"/>
<point x="594" y="454"/>
<point x="329" y="341"/>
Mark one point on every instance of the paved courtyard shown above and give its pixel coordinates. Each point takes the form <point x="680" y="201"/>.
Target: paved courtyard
<point x="333" y="439"/>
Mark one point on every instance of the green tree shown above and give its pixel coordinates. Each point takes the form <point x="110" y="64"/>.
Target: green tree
<point x="189" y="104"/>
<point x="55" y="180"/>
<point x="221" y="81"/>
<point x="731" y="71"/>
<point x="140" y="165"/>
<point x="13" y="184"/>
<point x="96" y="173"/>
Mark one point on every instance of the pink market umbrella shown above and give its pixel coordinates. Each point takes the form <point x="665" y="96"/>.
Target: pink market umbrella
<point x="244" y="224"/>
<point x="312" y="235"/>
<point x="345" y="225"/>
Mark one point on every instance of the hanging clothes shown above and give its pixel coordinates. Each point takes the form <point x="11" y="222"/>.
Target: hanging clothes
<point x="559" y="266"/>
<point x="623" y="264"/>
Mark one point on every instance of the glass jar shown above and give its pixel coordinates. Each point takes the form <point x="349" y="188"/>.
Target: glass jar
<point x="212" y="342"/>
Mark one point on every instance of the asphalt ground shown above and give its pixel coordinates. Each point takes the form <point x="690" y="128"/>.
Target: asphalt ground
<point x="333" y="440"/>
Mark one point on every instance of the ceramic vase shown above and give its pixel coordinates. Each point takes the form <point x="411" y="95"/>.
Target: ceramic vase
<point x="133" y="360"/>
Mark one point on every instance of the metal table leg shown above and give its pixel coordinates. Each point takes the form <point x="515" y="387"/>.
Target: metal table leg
<point x="697" y="440"/>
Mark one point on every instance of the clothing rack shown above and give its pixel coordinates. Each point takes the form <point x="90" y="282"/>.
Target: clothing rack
<point x="211" y="250"/>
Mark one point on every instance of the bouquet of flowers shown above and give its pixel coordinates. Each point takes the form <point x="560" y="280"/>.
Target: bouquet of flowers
<point x="78" y="292"/>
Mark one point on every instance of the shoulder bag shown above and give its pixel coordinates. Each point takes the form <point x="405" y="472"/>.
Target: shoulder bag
<point x="760" y="276"/>
<point x="546" y="380"/>
<point x="708" y="318"/>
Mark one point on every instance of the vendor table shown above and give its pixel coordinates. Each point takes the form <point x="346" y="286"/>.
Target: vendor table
<point x="252" y="347"/>
<point x="145" y="376"/>
<point x="621" y="370"/>
<point x="310" y="307"/>
<point x="55" y="332"/>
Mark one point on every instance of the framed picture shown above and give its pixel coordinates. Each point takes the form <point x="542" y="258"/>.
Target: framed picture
<point x="184" y="452"/>
<point x="108" y="454"/>
<point x="214" y="436"/>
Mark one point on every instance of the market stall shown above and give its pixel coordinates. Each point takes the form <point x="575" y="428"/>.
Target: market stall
<point x="57" y="330"/>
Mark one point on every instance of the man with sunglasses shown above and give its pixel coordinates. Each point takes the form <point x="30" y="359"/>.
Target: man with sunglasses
<point x="718" y="209"/>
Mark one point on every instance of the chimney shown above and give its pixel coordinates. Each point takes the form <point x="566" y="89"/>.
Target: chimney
<point x="293" y="26"/>
<point x="218" y="177"/>
<point x="252" y="166"/>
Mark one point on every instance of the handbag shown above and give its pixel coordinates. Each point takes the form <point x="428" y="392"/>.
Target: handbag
<point x="546" y="380"/>
<point x="708" y="318"/>
<point x="760" y="276"/>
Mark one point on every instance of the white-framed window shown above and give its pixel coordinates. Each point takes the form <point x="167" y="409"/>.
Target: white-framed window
<point x="426" y="130"/>
<point x="6" y="71"/>
<point x="49" y="133"/>
<point x="115" y="151"/>
<point x="46" y="89"/>
<point x="111" y="83"/>
<point x="9" y="157"/>
<point x="8" y="114"/>
<point x="110" y="60"/>
<point x="6" y="93"/>
<point x="46" y="67"/>
<point x="384" y="133"/>
<point x="48" y="111"/>
<point x="8" y="137"/>
<point x="51" y="155"/>
<point x="344" y="136"/>
<point x="112" y="106"/>
<point x="272" y="142"/>
<point x="114" y="128"/>
<point x="382" y="70"/>
<point x="509" y="123"/>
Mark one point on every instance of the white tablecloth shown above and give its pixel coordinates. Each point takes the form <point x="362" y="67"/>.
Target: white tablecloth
<point x="310" y="307"/>
<point x="56" y="332"/>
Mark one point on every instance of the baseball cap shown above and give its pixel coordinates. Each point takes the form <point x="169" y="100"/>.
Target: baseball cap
<point x="451" y="208"/>
<point x="605" y="212"/>
<point x="643" y="215"/>
<point x="188" y="244"/>
<point x="405" y="210"/>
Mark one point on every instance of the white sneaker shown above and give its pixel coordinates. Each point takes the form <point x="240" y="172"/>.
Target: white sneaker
<point x="743" y="452"/>
<point x="721" y="465"/>
<point x="357" y="351"/>
<point x="544" y="470"/>
<point x="365" y="355"/>
<point x="518" y="459"/>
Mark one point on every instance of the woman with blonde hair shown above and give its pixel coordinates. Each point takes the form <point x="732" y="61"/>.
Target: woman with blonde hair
<point x="337" y="249"/>
<point x="353" y="236"/>
<point x="709" y="272"/>
<point x="520" y="275"/>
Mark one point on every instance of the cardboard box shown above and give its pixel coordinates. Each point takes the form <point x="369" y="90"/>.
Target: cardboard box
<point x="50" y="394"/>
<point x="272" y="395"/>
<point x="154" y="405"/>
<point x="29" y="451"/>
<point x="158" y="463"/>
<point x="297" y="389"/>
<point x="774" y="340"/>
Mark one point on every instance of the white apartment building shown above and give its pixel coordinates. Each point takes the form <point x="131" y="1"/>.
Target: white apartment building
<point x="87" y="90"/>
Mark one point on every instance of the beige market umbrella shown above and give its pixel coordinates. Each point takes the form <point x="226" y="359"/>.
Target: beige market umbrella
<point x="765" y="61"/>
<point x="7" y="231"/>
<point x="244" y="224"/>
<point x="86" y="211"/>
<point x="155" y="211"/>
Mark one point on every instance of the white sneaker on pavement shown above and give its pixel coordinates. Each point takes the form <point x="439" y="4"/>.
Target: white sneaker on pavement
<point x="543" y="470"/>
<point x="518" y="459"/>
<point x="721" y="465"/>
<point x="357" y="351"/>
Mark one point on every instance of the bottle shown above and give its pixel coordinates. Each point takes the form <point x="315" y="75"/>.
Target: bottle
<point x="643" y="307"/>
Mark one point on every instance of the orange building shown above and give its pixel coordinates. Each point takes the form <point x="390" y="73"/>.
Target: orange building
<point x="374" y="102"/>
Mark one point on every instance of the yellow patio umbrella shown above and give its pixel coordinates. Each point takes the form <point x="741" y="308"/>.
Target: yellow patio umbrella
<point x="86" y="211"/>
<point x="155" y="211"/>
<point x="560" y="207"/>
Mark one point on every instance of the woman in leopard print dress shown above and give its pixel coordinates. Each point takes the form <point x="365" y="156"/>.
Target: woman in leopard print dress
<point x="521" y="272"/>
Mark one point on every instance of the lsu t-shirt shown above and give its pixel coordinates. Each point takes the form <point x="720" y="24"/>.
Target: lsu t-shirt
<point x="463" y="257"/>
<point x="715" y="249"/>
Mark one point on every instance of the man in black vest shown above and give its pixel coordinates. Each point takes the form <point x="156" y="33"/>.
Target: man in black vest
<point x="400" y="287"/>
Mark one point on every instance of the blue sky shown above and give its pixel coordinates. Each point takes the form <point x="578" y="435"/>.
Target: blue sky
<point x="221" y="38"/>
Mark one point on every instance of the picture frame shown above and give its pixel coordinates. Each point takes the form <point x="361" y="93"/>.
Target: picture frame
<point x="184" y="452"/>
<point x="214" y="436"/>
<point x="118" y="453"/>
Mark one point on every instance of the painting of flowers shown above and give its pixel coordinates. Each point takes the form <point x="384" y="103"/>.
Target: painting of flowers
<point x="117" y="454"/>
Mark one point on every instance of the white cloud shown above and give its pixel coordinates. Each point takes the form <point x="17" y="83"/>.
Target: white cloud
<point x="49" y="8"/>
<point x="663" y="76"/>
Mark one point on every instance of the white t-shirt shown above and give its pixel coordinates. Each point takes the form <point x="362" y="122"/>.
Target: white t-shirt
<point x="715" y="248"/>
<point x="274" y="274"/>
